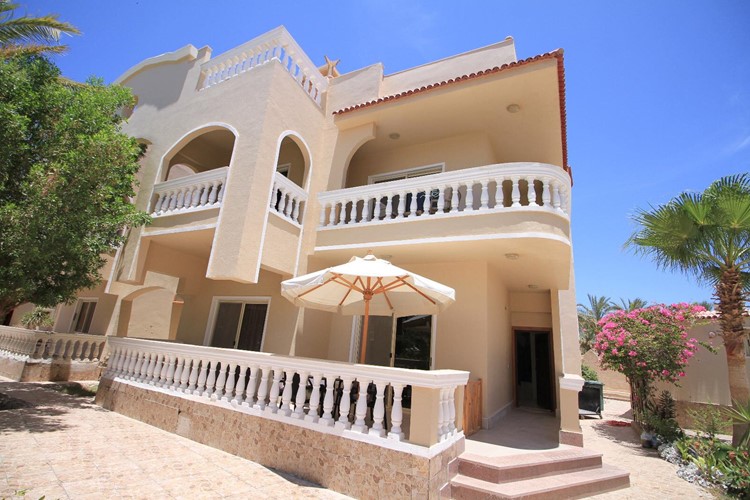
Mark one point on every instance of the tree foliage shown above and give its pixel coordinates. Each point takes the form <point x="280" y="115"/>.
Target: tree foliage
<point x="707" y="235"/>
<point x="66" y="173"/>
<point x="589" y="316"/>
<point x="30" y="35"/>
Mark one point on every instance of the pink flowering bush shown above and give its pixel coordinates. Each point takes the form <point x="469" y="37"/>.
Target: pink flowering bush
<point x="646" y="345"/>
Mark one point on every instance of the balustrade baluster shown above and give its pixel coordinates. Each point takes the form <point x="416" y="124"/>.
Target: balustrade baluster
<point x="195" y="198"/>
<point x="205" y="187"/>
<point x="454" y="198"/>
<point x="158" y="203"/>
<point x="312" y="412"/>
<point x="361" y="409"/>
<point x="173" y="380"/>
<point x="323" y="218"/>
<point x="76" y="352"/>
<point x="220" y="190"/>
<point x="366" y="209"/>
<point x="138" y="359"/>
<point x="531" y="191"/>
<point x="147" y="363"/>
<point x="200" y="385"/>
<point x="211" y="379"/>
<point x="345" y="403"/>
<point x="563" y="199"/>
<point x="213" y="196"/>
<point x="401" y="210"/>
<point x="180" y="199"/>
<point x="156" y="374"/>
<point x="132" y="362"/>
<point x="273" y="394"/>
<point x="397" y="414"/>
<point x="239" y="391"/>
<point x="350" y="211"/>
<point x="441" y="200"/>
<point x="332" y="214"/>
<point x="546" y="196"/>
<point x="327" y="417"/>
<point x="555" y="196"/>
<point x="516" y="192"/>
<point x="251" y="387"/>
<point x="469" y="206"/>
<point x="441" y="416"/>
<point x="286" y="396"/>
<point x="260" y="404"/>
<point x="452" y="410"/>
<point x="295" y="212"/>
<point x="389" y="206"/>
<point x="229" y="384"/>
<point x="299" y="402"/>
<point x="221" y="379"/>
<point x="378" y="411"/>
<point x="192" y="370"/>
<point x="484" y="199"/>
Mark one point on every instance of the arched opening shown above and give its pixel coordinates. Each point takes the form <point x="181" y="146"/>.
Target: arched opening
<point x="294" y="160"/>
<point x="291" y="178"/>
<point x="150" y="313"/>
<point x="209" y="150"/>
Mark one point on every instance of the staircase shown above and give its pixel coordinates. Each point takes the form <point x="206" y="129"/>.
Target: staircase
<point x="566" y="472"/>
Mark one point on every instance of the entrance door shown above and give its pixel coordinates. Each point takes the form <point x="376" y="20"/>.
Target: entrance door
<point x="239" y="325"/>
<point x="401" y="342"/>
<point x="533" y="375"/>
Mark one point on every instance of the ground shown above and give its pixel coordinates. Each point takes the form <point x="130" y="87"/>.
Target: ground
<point x="64" y="446"/>
<point x="651" y="477"/>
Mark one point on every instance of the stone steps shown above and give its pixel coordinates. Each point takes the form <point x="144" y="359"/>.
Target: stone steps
<point x="564" y="473"/>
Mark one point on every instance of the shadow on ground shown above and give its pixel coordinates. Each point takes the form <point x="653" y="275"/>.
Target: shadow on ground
<point x="31" y="407"/>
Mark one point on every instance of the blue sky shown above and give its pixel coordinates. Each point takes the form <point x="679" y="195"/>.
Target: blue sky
<point x="658" y="93"/>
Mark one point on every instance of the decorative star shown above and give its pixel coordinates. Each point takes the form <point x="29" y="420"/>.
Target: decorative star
<point x="330" y="70"/>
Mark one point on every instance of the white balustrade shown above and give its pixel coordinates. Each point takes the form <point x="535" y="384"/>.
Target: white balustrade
<point x="486" y="189"/>
<point x="325" y="395"/>
<point x="276" y="45"/>
<point x="287" y="199"/>
<point x="204" y="190"/>
<point x="22" y="344"/>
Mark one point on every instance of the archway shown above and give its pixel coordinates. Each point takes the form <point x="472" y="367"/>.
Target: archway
<point x="200" y="151"/>
<point x="150" y="313"/>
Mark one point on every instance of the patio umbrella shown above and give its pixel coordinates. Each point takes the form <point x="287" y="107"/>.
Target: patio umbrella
<point x="365" y="286"/>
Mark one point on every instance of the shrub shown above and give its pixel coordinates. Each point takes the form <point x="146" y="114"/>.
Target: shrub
<point x="37" y="318"/>
<point x="589" y="373"/>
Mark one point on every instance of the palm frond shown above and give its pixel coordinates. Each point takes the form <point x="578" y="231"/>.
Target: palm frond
<point x="30" y="35"/>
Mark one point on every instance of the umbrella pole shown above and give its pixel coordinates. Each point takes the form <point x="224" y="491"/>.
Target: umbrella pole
<point x="363" y="346"/>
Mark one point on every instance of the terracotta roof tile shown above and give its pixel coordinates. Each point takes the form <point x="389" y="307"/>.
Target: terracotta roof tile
<point x="556" y="54"/>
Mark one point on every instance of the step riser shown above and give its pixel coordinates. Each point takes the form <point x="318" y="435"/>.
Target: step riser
<point x="460" y="492"/>
<point x="493" y="474"/>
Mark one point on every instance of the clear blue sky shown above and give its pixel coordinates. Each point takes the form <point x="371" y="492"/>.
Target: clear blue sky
<point x="658" y="93"/>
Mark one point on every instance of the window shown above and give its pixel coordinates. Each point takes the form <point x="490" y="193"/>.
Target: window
<point x="407" y="174"/>
<point x="83" y="316"/>
<point x="238" y="323"/>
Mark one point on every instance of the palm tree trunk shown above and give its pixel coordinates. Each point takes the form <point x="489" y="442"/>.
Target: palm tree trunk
<point x="731" y="306"/>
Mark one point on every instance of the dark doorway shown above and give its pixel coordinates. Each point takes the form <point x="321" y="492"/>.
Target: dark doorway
<point x="533" y="376"/>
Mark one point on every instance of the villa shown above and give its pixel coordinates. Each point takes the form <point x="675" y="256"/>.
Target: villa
<point x="260" y="166"/>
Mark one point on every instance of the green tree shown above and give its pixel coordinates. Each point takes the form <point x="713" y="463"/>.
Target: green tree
<point x="589" y="317"/>
<point x="631" y="304"/>
<point x="66" y="173"/>
<point x="707" y="235"/>
<point x="30" y="35"/>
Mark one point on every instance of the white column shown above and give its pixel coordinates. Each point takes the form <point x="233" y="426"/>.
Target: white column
<point x="312" y="413"/>
<point x="250" y="389"/>
<point x="485" y="198"/>
<point x="454" y="198"/>
<point x="344" y="406"/>
<point x="210" y="380"/>
<point x="173" y="383"/>
<point x="401" y="211"/>
<point x="531" y="192"/>
<point x="239" y="395"/>
<point x="396" y="414"/>
<point x="378" y="411"/>
<point x="299" y="402"/>
<point x="469" y="197"/>
<point x="260" y="404"/>
<point x="229" y="384"/>
<point x="286" y="397"/>
<point x="273" y="395"/>
<point x="361" y="410"/>
<point x="516" y="193"/>
<point x="327" y="417"/>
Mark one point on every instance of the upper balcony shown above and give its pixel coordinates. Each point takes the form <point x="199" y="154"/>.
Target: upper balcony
<point x="483" y="212"/>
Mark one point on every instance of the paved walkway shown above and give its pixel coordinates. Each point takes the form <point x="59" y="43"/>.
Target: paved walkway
<point x="63" y="446"/>
<point x="651" y="477"/>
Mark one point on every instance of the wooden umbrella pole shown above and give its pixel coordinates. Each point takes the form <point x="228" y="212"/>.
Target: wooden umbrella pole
<point x="363" y="350"/>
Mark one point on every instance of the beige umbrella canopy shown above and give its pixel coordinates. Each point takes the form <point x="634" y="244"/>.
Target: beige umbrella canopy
<point x="365" y="286"/>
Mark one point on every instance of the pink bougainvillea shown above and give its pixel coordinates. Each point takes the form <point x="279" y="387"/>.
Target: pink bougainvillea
<point x="648" y="344"/>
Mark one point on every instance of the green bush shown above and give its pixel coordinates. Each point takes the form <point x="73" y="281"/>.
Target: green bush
<point x="589" y="373"/>
<point x="660" y="418"/>
<point x="37" y="318"/>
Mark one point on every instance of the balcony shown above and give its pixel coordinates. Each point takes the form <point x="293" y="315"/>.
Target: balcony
<point x="275" y="46"/>
<point x="189" y="194"/>
<point x="288" y="200"/>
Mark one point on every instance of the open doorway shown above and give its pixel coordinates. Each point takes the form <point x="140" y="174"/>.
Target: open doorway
<point x="534" y="386"/>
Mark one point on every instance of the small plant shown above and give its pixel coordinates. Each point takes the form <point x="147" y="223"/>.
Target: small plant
<point x="740" y="415"/>
<point x="589" y="374"/>
<point x="708" y="421"/>
<point x="661" y="418"/>
<point x="37" y="318"/>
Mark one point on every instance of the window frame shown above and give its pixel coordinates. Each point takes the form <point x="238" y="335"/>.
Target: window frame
<point x="79" y="305"/>
<point x="235" y="299"/>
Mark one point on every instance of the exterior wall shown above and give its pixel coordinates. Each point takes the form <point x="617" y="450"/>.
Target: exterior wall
<point x="463" y="151"/>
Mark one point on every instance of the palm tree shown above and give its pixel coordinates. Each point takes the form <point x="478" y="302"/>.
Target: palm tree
<point x="707" y="235"/>
<point x="30" y="35"/>
<point x="588" y="319"/>
<point x="631" y="305"/>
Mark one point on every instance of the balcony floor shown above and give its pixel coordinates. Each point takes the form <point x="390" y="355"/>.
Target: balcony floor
<point x="520" y="431"/>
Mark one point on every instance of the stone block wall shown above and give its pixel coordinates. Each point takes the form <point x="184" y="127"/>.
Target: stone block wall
<point x="354" y="468"/>
<point x="44" y="370"/>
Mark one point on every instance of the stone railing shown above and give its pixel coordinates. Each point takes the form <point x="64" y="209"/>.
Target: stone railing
<point x="23" y="345"/>
<point x="193" y="192"/>
<point x="287" y="199"/>
<point x="490" y="188"/>
<point x="276" y="45"/>
<point x="322" y="395"/>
